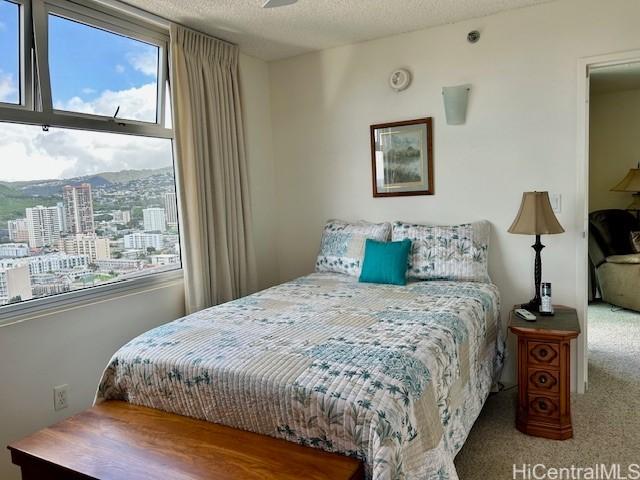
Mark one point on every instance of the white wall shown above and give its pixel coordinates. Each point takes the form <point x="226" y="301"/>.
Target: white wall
<point x="520" y="134"/>
<point x="73" y="347"/>
<point x="614" y="126"/>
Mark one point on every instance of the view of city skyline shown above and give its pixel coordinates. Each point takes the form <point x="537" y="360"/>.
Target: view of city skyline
<point x="80" y="207"/>
<point x="62" y="235"/>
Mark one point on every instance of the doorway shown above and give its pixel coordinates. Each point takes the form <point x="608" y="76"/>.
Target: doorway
<point x="609" y="265"/>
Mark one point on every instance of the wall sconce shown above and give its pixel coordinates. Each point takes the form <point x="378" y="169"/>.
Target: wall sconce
<point x="455" y="103"/>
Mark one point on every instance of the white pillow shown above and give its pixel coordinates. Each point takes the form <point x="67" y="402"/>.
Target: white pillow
<point x="454" y="252"/>
<point x="342" y="245"/>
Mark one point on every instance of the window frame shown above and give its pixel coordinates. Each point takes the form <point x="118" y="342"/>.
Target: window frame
<point x="35" y="78"/>
<point x="25" y="61"/>
<point x="35" y="108"/>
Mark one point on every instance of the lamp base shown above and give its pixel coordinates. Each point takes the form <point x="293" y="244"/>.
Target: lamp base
<point x="533" y="305"/>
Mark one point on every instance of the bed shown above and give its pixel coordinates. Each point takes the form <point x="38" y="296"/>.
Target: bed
<point x="392" y="375"/>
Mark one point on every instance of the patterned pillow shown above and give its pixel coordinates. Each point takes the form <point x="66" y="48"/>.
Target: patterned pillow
<point x="342" y="245"/>
<point x="456" y="252"/>
<point x="635" y="241"/>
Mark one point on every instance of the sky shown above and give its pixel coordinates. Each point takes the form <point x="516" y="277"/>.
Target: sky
<point x="92" y="71"/>
<point x="8" y="51"/>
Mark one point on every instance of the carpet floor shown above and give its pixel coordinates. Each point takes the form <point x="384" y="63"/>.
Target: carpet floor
<point x="606" y="419"/>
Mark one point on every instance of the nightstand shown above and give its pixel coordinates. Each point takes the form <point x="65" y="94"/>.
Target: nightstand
<point x="544" y="372"/>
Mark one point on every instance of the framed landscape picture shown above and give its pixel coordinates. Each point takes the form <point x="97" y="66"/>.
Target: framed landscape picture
<point x="402" y="158"/>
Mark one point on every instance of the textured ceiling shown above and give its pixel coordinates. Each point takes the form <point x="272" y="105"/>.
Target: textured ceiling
<point x="616" y="78"/>
<point x="309" y="25"/>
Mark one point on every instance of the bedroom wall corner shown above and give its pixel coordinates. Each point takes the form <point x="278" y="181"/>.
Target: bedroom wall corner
<point x="256" y="106"/>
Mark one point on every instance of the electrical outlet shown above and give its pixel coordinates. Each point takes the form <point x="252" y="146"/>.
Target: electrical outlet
<point x="60" y="397"/>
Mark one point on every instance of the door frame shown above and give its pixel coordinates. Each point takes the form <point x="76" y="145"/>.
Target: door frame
<point x="585" y="65"/>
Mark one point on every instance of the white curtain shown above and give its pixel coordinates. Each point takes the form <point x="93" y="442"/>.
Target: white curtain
<point x="217" y="248"/>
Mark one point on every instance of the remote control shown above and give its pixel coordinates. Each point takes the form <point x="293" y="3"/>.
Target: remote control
<point x="525" y="314"/>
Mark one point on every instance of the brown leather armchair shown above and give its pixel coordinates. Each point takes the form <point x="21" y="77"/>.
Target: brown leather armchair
<point x="615" y="268"/>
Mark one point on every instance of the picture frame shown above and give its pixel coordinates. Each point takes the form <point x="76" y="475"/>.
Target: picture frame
<point x="402" y="158"/>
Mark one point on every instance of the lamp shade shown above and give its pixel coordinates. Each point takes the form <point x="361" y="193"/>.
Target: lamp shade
<point x="535" y="216"/>
<point x="630" y="183"/>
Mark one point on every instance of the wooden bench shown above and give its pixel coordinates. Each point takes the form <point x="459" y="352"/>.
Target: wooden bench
<point x="120" y="441"/>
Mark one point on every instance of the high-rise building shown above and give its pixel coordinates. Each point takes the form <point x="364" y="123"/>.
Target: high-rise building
<point x="171" y="209"/>
<point x="89" y="245"/>
<point x="43" y="224"/>
<point x="15" y="284"/>
<point x="154" y="220"/>
<point x="18" y="230"/>
<point x="139" y="241"/>
<point x="63" y="222"/>
<point x="78" y="208"/>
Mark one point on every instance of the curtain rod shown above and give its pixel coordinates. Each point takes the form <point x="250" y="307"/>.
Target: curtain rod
<point x="151" y="17"/>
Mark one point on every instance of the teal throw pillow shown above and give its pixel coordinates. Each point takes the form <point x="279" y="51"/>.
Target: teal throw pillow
<point x="385" y="262"/>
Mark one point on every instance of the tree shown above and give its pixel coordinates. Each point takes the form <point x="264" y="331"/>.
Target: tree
<point x="93" y="267"/>
<point x="151" y="250"/>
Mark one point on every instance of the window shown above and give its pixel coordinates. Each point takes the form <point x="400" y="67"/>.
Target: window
<point x="80" y="209"/>
<point x="9" y="52"/>
<point x="97" y="72"/>
<point x="87" y="187"/>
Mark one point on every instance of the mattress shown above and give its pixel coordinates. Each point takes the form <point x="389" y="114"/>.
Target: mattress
<point x="392" y="375"/>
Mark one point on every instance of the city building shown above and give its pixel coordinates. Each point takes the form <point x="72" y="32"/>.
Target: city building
<point x="119" y="265"/>
<point x="154" y="219"/>
<point x="50" y="263"/>
<point x="171" y="209"/>
<point x="165" y="259"/>
<point x="121" y="216"/>
<point x="78" y="208"/>
<point x="15" y="283"/>
<point x="86" y="244"/>
<point x="142" y="241"/>
<point x="63" y="220"/>
<point x="46" y="289"/>
<point x="44" y="226"/>
<point x="13" y="250"/>
<point x="18" y="230"/>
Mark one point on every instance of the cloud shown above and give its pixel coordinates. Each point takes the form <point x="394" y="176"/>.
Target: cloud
<point x="145" y="62"/>
<point x="28" y="153"/>
<point x="8" y="88"/>
<point x="88" y="91"/>
<point x="138" y="103"/>
<point x="119" y="68"/>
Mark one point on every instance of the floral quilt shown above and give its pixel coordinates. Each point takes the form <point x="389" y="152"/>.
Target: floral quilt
<point x="392" y="375"/>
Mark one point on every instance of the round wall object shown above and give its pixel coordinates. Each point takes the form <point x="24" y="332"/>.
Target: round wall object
<point x="400" y="79"/>
<point x="473" y="36"/>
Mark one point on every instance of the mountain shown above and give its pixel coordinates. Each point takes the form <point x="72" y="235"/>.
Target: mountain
<point x="13" y="202"/>
<point x="46" y="188"/>
<point x="126" y="176"/>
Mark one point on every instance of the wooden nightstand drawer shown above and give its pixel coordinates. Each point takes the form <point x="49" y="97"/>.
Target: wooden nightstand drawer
<point x="543" y="353"/>
<point x="547" y="381"/>
<point x="543" y="406"/>
<point x="544" y="372"/>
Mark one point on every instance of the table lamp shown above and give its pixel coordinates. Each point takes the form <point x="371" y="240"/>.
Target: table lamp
<point x="631" y="183"/>
<point x="536" y="217"/>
